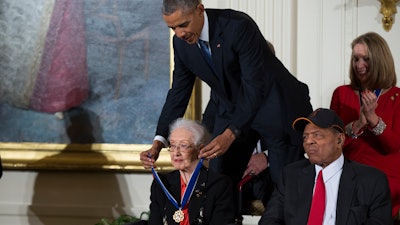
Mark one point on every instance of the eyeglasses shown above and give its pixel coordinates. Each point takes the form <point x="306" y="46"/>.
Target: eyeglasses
<point x="183" y="148"/>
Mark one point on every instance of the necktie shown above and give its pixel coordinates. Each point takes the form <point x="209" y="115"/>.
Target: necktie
<point x="205" y="50"/>
<point x="316" y="216"/>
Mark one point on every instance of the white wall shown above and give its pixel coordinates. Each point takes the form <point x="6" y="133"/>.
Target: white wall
<point x="323" y="44"/>
<point x="78" y="198"/>
<point x="311" y="37"/>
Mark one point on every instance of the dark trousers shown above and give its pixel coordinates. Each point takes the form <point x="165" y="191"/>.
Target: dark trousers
<point x="274" y="137"/>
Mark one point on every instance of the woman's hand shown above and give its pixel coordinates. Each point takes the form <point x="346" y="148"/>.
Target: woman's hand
<point x="369" y="104"/>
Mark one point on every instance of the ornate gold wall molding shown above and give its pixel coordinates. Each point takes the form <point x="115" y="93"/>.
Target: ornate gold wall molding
<point x="388" y="9"/>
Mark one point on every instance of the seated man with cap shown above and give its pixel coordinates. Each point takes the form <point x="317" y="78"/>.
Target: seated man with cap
<point x="327" y="188"/>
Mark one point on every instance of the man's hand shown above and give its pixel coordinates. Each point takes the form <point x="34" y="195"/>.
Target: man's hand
<point x="257" y="163"/>
<point x="218" y="146"/>
<point x="150" y="156"/>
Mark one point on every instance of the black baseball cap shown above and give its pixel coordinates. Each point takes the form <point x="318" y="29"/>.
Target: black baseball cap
<point x="321" y="117"/>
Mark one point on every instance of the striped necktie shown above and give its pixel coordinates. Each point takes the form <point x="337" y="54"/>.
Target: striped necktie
<point x="206" y="52"/>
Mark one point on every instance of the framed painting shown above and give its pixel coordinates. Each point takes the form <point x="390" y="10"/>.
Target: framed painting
<point x="82" y="83"/>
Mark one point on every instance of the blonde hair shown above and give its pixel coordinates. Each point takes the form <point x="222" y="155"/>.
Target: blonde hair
<point x="381" y="72"/>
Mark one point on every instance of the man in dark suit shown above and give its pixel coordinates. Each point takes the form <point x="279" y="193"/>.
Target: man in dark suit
<point x="355" y="193"/>
<point x="248" y="86"/>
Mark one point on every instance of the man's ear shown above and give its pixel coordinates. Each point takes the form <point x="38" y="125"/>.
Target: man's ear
<point x="341" y="138"/>
<point x="201" y="7"/>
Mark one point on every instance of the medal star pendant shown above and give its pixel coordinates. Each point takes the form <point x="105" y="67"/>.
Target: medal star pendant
<point x="178" y="216"/>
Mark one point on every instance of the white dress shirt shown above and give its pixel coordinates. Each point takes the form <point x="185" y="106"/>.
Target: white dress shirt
<point x="331" y="175"/>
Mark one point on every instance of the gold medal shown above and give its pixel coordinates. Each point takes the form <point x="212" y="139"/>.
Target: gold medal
<point x="178" y="216"/>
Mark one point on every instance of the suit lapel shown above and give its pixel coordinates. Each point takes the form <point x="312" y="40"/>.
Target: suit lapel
<point x="207" y="73"/>
<point x="195" y="51"/>
<point x="173" y="185"/>
<point x="305" y="192"/>
<point x="216" y="45"/>
<point x="176" y="187"/>
<point x="346" y="189"/>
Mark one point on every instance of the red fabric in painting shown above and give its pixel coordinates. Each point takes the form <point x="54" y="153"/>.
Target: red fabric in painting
<point x="62" y="80"/>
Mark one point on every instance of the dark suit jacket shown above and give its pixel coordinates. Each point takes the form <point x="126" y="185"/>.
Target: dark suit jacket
<point x="363" y="198"/>
<point x="245" y="72"/>
<point x="212" y="197"/>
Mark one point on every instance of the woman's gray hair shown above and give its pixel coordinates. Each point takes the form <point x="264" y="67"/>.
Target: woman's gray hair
<point x="199" y="132"/>
<point x="170" y="6"/>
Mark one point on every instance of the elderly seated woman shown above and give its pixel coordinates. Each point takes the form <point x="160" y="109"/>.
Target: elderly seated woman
<point x="191" y="194"/>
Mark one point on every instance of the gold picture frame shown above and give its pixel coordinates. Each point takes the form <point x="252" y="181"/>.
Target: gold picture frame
<point x="87" y="157"/>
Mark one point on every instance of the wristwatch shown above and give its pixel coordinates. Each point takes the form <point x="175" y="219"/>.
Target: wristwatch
<point x="234" y="130"/>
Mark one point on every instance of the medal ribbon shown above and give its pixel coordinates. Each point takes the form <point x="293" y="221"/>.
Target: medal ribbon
<point x="188" y="191"/>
